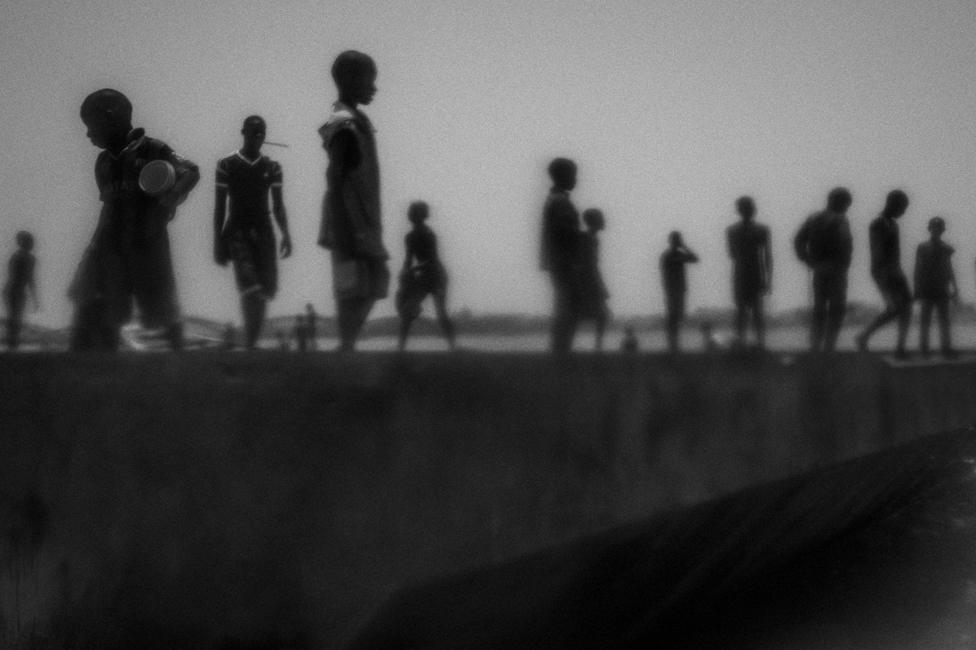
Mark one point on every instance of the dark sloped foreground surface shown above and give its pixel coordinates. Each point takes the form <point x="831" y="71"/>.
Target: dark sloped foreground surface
<point x="879" y="552"/>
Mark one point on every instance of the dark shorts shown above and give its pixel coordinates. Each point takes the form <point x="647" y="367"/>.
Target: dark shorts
<point x="830" y="286"/>
<point x="894" y="289"/>
<point x="356" y="278"/>
<point x="747" y="293"/>
<point x="255" y="260"/>
<point x="418" y="283"/>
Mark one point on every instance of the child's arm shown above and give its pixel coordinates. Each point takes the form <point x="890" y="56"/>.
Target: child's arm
<point x="187" y="176"/>
<point x="220" y="212"/>
<point x="767" y="253"/>
<point x="32" y="285"/>
<point x="690" y="255"/>
<point x="408" y="257"/>
<point x="919" y="265"/>
<point x="280" y="216"/>
<point x="800" y="241"/>
<point x="953" y="287"/>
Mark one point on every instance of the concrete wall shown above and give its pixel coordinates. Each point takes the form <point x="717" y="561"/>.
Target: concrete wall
<point x="280" y="498"/>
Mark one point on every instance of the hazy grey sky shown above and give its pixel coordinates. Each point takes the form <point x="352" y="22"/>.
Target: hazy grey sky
<point x="672" y="110"/>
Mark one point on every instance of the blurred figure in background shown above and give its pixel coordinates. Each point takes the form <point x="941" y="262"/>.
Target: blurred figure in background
<point x="674" y="279"/>
<point x="20" y="284"/>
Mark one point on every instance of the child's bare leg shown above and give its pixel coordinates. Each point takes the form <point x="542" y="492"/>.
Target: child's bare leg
<point x="945" y="328"/>
<point x="405" y="323"/>
<point x="352" y="315"/>
<point x="447" y="326"/>
<point x="601" y="328"/>
<point x="924" y="322"/>
<point x="759" y="322"/>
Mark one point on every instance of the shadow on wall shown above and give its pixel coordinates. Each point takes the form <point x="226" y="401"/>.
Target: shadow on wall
<point x="700" y="577"/>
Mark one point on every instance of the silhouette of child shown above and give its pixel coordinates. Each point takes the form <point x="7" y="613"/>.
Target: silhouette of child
<point x="311" y="325"/>
<point x="129" y="254"/>
<point x="300" y="332"/>
<point x="887" y="273"/>
<point x="935" y="286"/>
<point x="20" y="283"/>
<point x="752" y="259"/>
<point x="824" y="244"/>
<point x="593" y="291"/>
<point x="560" y="254"/>
<point x="351" y="220"/>
<point x="245" y="178"/>
<point x="423" y="274"/>
<point x="673" y="276"/>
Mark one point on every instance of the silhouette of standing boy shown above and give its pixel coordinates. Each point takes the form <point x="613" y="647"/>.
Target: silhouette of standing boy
<point x="673" y="276"/>
<point x="594" y="294"/>
<point x="20" y="282"/>
<point x="300" y="332"/>
<point x="935" y="286"/>
<point x="560" y="253"/>
<point x="351" y="218"/>
<point x="311" y="326"/>
<point x="245" y="178"/>
<point x="423" y="274"/>
<point x="887" y="273"/>
<point x="752" y="259"/>
<point x="129" y="254"/>
<point x="824" y="244"/>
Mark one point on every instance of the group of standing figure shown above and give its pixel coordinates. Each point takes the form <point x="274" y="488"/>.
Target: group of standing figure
<point x="571" y="257"/>
<point x="128" y="263"/>
<point x="824" y="243"/>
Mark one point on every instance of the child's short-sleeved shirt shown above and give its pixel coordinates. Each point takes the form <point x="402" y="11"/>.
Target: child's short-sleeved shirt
<point x="247" y="183"/>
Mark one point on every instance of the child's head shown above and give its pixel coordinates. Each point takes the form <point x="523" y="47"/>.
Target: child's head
<point x="254" y="130"/>
<point x="593" y="218"/>
<point x="937" y="226"/>
<point x="675" y="239"/>
<point x="562" y="171"/>
<point x="418" y="212"/>
<point x="25" y="240"/>
<point x="839" y="199"/>
<point x="746" y="207"/>
<point x="108" y="115"/>
<point x="354" y="74"/>
<point x="895" y="204"/>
